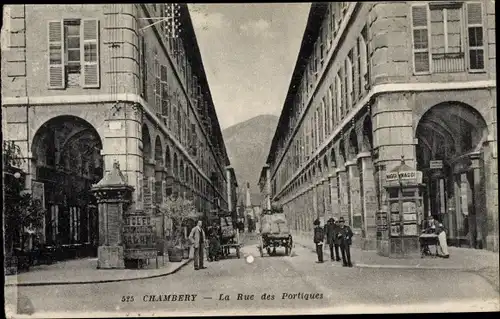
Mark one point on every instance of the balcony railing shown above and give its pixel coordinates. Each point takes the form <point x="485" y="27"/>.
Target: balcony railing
<point x="448" y="62"/>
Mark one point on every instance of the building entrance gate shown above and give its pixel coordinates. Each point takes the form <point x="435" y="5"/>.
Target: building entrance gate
<point x="67" y="161"/>
<point x="449" y="153"/>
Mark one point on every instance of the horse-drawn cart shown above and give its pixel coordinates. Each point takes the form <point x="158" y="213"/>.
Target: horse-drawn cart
<point x="274" y="233"/>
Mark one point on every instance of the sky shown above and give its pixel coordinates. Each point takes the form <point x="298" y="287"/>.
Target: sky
<point x="249" y="52"/>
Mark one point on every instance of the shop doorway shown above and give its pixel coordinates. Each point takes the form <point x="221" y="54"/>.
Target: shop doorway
<point x="67" y="158"/>
<point x="449" y="153"/>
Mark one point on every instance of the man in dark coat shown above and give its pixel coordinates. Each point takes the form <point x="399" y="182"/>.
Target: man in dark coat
<point x="319" y="236"/>
<point x="345" y="236"/>
<point x="213" y="252"/>
<point x="330" y="230"/>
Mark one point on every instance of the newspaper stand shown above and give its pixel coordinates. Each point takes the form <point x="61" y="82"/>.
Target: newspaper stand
<point x="404" y="212"/>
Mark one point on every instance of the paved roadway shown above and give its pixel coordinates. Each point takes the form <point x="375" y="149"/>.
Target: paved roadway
<point x="338" y="289"/>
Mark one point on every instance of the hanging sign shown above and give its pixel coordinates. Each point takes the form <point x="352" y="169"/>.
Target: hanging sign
<point x="437" y="164"/>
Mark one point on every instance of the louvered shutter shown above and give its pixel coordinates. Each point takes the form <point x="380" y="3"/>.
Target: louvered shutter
<point x="421" y="52"/>
<point x="475" y="35"/>
<point x="56" y="72"/>
<point x="90" y="53"/>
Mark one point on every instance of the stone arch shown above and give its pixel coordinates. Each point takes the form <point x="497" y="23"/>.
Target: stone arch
<point x="448" y="130"/>
<point x="365" y="134"/>
<point x="175" y="170"/>
<point x="181" y="169"/>
<point x="158" y="152"/>
<point x="168" y="159"/>
<point x="333" y="158"/>
<point x="341" y="154"/>
<point x="146" y="146"/>
<point x="67" y="160"/>
<point x="352" y="145"/>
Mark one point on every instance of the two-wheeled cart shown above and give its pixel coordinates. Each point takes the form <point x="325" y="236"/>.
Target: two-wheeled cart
<point x="229" y="237"/>
<point x="269" y="243"/>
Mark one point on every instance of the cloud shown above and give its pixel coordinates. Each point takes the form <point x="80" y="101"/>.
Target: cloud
<point x="257" y="28"/>
<point x="206" y="21"/>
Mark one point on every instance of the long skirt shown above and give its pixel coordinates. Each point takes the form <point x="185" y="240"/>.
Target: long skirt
<point x="443" y="244"/>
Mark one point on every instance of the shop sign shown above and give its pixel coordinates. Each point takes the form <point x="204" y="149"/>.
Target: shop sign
<point x="139" y="237"/>
<point x="403" y="176"/>
<point x="437" y="164"/>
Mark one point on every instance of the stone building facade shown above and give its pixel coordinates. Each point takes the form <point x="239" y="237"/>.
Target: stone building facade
<point x="86" y="85"/>
<point x="377" y="81"/>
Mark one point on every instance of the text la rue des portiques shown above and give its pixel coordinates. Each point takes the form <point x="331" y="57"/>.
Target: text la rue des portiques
<point x="221" y="297"/>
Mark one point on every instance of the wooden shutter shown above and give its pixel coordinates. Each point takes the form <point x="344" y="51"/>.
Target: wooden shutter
<point x="475" y="35"/>
<point x="90" y="53"/>
<point x="55" y="31"/>
<point x="420" y="36"/>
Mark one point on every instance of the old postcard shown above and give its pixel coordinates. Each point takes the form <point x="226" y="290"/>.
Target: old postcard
<point x="172" y="159"/>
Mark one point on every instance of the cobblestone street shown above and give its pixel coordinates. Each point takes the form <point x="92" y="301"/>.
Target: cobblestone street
<point x="328" y="286"/>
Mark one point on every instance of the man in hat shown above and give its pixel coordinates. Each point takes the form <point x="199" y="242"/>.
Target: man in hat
<point x="197" y="238"/>
<point x="330" y="230"/>
<point x="345" y="234"/>
<point x="319" y="236"/>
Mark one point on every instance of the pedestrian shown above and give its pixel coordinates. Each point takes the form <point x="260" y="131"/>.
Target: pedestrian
<point x="336" y="240"/>
<point x="441" y="232"/>
<point x="319" y="236"/>
<point x="345" y="235"/>
<point x="330" y="228"/>
<point x="197" y="238"/>
<point x="214" y="246"/>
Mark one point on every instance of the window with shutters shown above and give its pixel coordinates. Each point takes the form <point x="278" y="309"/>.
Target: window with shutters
<point x="73" y="53"/>
<point x="420" y="36"/>
<point x="446" y="37"/>
<point x="165" y="103"/>
<point x="475" y="37"/>
<point x="157" y="89"/>
<point x="339" y="109"/>
<point x="331" y="106"/>
<point x="326" y="117"/>
<point x="351" y="77"/>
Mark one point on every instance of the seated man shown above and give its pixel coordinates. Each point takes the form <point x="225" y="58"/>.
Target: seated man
<point x="440" y="231"/>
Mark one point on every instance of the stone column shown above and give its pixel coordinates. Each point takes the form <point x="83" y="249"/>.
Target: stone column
<point x="342" y="186"/>
<point x="354" y="195"/>
<point x="479" y="200"/>
<point x="369" y="202"/>
<point x="334" y="198"/>
<point x="326" y="198"/>
<point x="113" y="197"/>
<point x="314" y="193"/>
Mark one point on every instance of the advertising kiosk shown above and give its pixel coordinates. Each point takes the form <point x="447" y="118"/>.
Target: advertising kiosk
<point x="399" y="224"/>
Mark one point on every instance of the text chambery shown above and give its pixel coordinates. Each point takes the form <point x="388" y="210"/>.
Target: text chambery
<point x="157" y="298"/>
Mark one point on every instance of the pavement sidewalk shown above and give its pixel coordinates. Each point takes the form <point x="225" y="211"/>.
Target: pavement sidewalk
<point x="84" y="271"/>
<point x="464" y="259"/>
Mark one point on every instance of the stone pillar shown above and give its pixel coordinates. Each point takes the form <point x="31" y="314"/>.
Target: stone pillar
<point x="113" y="197"/>
<point x="314" y="193"/>
<point x="334" y="198"/>
<point x="479" y="200"/>
<point x="354" y="195"/>
<point x="369" y="202"/>
<point x="342" y="186"/>
<point x="326" y="198"/>
<point x="491" y="184"/>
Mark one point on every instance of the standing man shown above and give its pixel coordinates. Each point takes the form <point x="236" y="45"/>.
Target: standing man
<point x="345" y="235"/>
<point x="197" y="238"/>
<point x="329" y="230"/>
<point x="319" y="236"/>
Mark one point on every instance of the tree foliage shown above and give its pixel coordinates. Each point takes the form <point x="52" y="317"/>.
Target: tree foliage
<point x="179" y="209"/>
<point x="21" y="212"/>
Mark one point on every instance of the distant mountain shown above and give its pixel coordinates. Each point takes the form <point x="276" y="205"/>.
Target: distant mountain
<point x="247" y="145"/>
